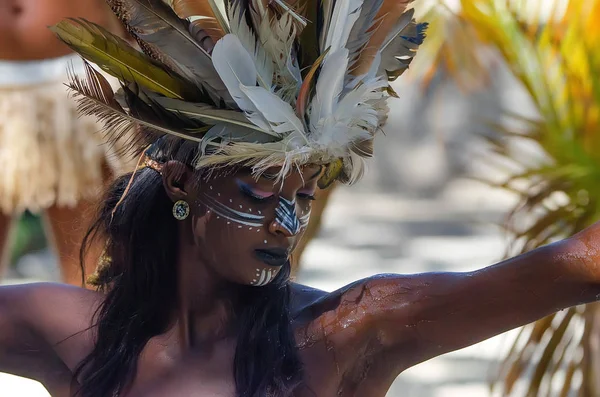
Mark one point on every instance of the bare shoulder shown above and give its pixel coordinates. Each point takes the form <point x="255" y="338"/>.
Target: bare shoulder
<point x="351" y="314"/>
<point x="60" y="314"/>
<point x="340" y="332"/>
<point x="310" y="304"/>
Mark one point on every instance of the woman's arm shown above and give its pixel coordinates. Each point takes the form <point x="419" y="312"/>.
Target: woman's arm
<point x="404" y="320"/>
<point x="34" y="319"/>
<point x="428" y="315"/>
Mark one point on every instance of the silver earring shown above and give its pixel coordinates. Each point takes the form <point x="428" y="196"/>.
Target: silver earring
<point x="181" y="210"/>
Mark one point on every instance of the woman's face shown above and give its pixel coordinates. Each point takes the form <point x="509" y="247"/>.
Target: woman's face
<point x="248" y="228"/>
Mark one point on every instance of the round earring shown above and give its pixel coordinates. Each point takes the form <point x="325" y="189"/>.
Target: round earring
<point x="181" y="210"/>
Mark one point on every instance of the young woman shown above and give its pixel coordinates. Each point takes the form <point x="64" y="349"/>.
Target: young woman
<point x="196" y="298"/>
<point x="54" y="162"/>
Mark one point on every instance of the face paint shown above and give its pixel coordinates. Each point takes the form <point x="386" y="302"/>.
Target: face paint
<point x="285" y="215"/>
<point x="242" y="218"/>
<point x="243" y="210"/>
<point x="264" y="277"/>
<point x="304" y="219"/>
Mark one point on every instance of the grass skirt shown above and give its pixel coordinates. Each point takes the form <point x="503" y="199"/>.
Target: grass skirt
<point x="49" y="155"/>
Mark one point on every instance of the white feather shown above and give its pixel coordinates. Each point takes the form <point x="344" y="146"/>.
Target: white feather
<point x="355" y="116"/>
<point x="345" y="15"/>
<point x="278" y="113"/>
<point x="236" y="67"/>
<point x="358" y="167"/>
<point x="277" y="37"/>
<point x="262" y="61"/>
<point x="329" y="87"/>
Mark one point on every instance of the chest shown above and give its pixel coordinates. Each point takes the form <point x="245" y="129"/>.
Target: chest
<point x="211" y="375"/>
<point x="209" y="372"/>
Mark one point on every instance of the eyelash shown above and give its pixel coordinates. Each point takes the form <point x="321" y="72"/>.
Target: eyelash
<point x="248" y="192"/>
<point x="306" y="196"/>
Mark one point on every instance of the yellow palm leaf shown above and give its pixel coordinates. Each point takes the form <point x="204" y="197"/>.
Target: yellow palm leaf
<point x="555" y="59"/>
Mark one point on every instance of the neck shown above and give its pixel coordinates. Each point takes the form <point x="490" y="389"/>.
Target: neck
<point x="205" y="312"/>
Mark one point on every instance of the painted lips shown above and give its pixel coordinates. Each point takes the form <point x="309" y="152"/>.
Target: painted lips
<point x="272" y="256"/>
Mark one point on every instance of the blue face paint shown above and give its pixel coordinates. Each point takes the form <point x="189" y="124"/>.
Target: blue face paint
<point x="285" y="215"/>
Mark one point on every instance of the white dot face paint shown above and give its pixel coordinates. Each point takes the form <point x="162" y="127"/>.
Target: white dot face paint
<point x="265" y="276"/>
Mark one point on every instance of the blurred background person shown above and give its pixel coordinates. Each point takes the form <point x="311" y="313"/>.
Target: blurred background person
<point x="49" y="165"/>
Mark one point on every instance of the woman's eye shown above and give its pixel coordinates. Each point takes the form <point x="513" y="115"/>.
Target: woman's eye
<point x="305" y="196"/>
<point x="249" y="192"/>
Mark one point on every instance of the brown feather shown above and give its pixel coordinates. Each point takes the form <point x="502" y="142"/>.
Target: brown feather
<point x="389" y="14"/>
<point x="211" y="22"/>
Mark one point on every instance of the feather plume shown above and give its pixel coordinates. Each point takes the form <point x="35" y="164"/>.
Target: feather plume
<point x="329" y="87"/>
<point x="226" y="134"/>
<point x="363" y="29"/>
<point x="208" y="15"/>
<point x="246" y="55"/>
<point x="95" y="97"/>
<point x="213" y="116"/>
<point x="278" y="113"/>
<point x="236" y="68"/>
<point x="277" y="36"/>
<point x="307" y="85"/>
<point x="116" y="57"/>
<point x="154" y="23"/>
<point x="388" y="16"/>
<point x="324" y="14"/>
<point x="401" y="46"/>
<point x="345" y="15"/>
<point x="262" y="60"/>
<point x="288" y="9"/>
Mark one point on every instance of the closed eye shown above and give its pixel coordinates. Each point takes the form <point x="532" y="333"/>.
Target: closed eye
<point x="249" y="192"/>
<point x="305" y="196"/>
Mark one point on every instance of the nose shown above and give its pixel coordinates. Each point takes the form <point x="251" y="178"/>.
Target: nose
<point x="286" y="220"/>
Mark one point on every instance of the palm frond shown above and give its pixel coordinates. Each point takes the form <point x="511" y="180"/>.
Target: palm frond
<point x="554" y="61"/>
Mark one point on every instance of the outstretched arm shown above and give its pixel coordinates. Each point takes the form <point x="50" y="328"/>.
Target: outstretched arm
<point x="428" y="315"/>
<point x="405" y="320"/>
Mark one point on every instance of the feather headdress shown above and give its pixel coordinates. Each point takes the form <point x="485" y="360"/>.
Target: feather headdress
<point x="259" y="83"/>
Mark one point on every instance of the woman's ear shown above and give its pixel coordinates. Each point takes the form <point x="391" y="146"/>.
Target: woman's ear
<point x="175" y="176"/>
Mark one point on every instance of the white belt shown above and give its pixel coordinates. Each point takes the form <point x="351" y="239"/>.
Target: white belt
<point x="23" y="73"/>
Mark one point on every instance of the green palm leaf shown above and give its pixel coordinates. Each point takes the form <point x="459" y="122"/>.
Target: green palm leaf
<point x="555" y="62"/>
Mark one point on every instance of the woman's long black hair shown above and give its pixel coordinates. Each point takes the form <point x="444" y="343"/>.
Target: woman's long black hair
<point x="141" y="298"/>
